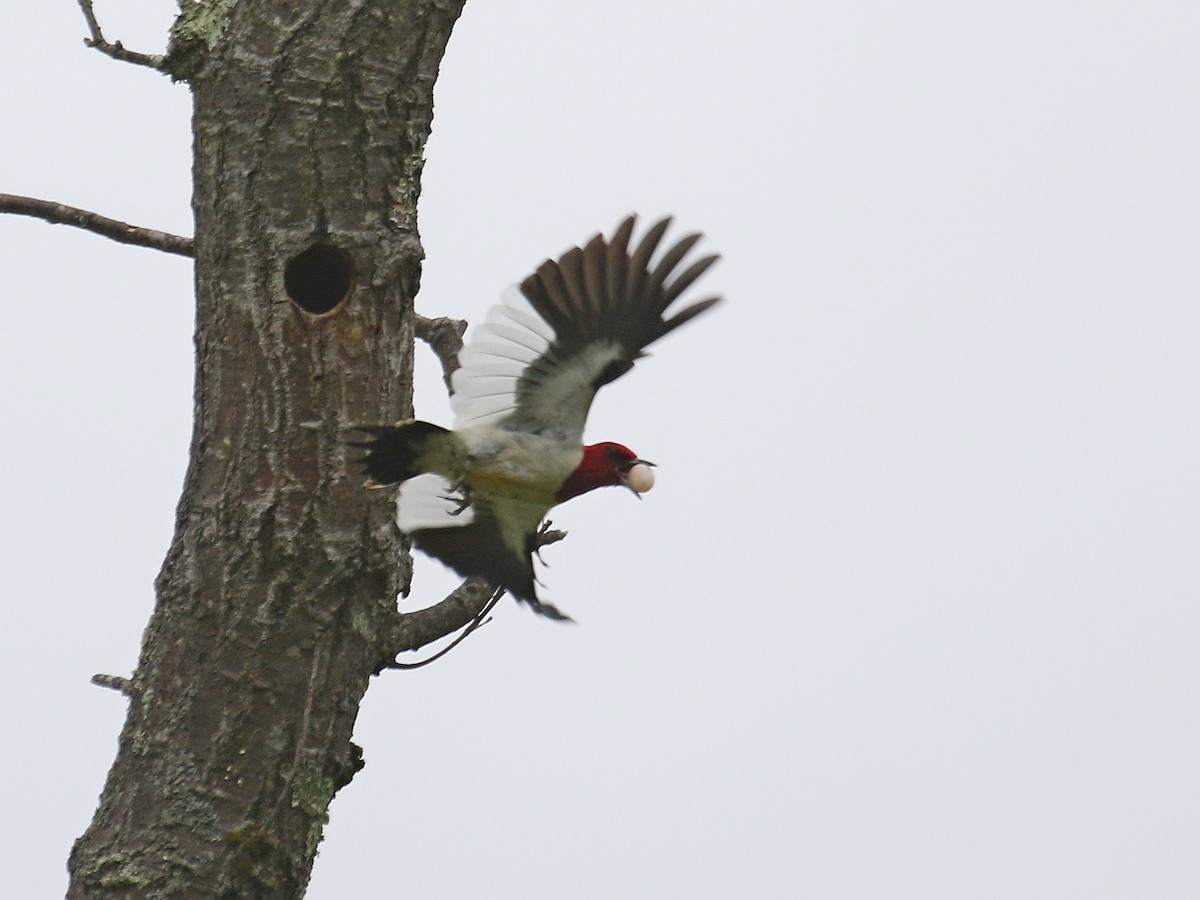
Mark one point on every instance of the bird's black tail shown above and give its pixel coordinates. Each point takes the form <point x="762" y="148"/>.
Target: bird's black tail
<point x="397" y="453"/>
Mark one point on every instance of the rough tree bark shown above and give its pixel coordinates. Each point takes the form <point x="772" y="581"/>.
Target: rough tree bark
<point x="276" y="602"/>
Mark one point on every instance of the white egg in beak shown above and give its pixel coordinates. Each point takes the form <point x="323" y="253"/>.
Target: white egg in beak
<point x="640" y="477"/>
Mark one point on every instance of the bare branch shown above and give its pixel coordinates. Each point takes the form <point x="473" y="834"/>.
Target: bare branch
<point x="116" y="50"/>
<point x="114" y="683"/>
<point x="416" y="629"/>
<point x="445" y="337"/>
<point x="481" y="619"/>
<point x="466" y="607"/>
<point x="60" y="214"/>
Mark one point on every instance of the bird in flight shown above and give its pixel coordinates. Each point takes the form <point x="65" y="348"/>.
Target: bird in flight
<point x="475" y="496"/>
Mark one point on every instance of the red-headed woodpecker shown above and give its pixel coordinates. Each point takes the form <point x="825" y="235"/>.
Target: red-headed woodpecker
<point x="475" y="497"/>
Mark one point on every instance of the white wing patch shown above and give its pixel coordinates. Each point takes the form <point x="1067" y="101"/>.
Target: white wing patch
<point x="430" y="501"/>
<point x="512" y="337"/>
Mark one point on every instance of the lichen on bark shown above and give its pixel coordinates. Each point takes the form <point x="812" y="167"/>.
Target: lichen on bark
<point x="197" y="30"/>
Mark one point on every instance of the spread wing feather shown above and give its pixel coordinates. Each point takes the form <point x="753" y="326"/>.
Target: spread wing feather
<point x="576" y="324"/>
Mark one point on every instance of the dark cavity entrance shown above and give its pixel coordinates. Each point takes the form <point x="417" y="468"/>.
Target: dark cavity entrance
<point x="319" y="279"/>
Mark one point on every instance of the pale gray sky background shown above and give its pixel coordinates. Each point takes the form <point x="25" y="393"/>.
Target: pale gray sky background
<point x="913" y="610"/>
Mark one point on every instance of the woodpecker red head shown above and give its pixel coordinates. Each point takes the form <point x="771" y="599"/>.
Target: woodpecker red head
<point x="475" y="497"/>
<point x="607" y="465"/>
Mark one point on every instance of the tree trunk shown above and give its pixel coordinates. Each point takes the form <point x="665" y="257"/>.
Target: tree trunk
<point x="276" y="601"/>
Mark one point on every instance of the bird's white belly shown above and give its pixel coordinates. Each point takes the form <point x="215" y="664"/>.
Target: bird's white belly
<point x="518" y="465"/>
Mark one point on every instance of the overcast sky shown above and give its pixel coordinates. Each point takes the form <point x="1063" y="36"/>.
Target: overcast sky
<point x="913" y="609"/>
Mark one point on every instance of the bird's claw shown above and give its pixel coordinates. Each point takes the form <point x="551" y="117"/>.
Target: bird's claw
<point x="461" y="497"/>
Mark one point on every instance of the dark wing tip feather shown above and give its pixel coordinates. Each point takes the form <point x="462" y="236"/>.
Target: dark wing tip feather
<point x="595" y="272"/>
<point x="607" y="290"/>
<point x="639" y="262"/>
<point x="542" y="608"/>
<point x="535" y="293"/>
<point x="608" y="295"/>
<point x="688" y="313"/>
<point x="672" y="258"/>
<point x="574" y="280"/>
<point x="618" y="257"/>
<point x="686" y="278"/>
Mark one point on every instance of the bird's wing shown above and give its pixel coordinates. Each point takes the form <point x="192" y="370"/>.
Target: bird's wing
<point x="492" y="537"/>
<point x="571" y="327"/>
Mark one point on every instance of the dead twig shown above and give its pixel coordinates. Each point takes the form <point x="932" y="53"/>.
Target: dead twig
<point x="445" y="338"/>
<point x="114" y="683"/>
<point x="481" y="619"/>
<point x="468" y="606"/>
<point x="97" y="41"/>
<point x="61" y="214"/>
